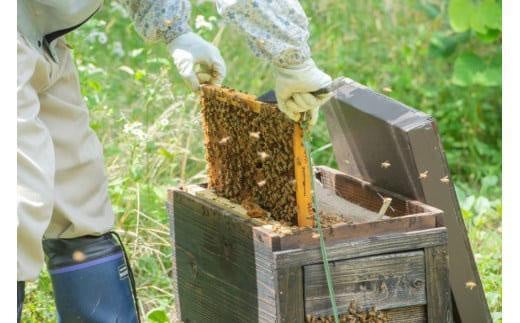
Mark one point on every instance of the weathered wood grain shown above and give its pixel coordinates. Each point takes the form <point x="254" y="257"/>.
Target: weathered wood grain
<point x="412" y="314"/>
<point x="330" y="202"/>
<point x="223" y="274"/>
<point x="361" y="192"/>
<point x="438" y="285"/>
<point x="367" y="194"/>
<point x="388" y="243"/>
<point x="306" y="238"/>
<point x="429" y="155"/>
<point x="384" y="282"/>
<point x="169" y="209"/>
<point x="290" y="304"/>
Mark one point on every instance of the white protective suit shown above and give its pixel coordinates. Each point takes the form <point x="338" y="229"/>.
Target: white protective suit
<point x="62" y="186"/>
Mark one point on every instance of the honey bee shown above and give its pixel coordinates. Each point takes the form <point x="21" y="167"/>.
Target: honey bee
<point x="423" y="175"/>
<point x="385" y="164"/>
<point x="471" y="285"/>
<point x="224" y="140"/>
<point x="263" y="155"/>
<point x="255" y="135"/>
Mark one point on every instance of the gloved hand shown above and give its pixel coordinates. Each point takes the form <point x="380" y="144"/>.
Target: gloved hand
<point x="197" y="60"/>
<point x="293" y="90"/>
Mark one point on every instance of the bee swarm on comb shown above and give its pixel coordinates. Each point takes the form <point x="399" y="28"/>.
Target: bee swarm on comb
<point x="249" y="151"/>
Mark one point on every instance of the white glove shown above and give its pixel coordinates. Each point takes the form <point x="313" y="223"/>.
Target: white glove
<point x="197" y="60"/>
<point x="293" y="90"/>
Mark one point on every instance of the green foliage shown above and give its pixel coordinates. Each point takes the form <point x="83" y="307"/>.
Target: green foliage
<point x="444" y="44"/>
<point x="149" y="124"/>
<point x="157" y="315"/>
<point x="482" y="212"/>
<point x="471" y="69"/>
<point x="480" y="16"/>
<point x="483" y="19"/>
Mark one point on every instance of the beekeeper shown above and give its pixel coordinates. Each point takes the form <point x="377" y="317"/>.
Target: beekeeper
<point x="64" y="210"/>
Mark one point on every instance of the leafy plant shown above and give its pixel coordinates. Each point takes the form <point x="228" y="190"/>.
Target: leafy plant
<point x="483" y="19"/>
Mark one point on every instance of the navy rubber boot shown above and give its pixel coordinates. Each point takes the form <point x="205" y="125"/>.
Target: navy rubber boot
<point x="92" y="280"/>
<point x="20" y="294"/>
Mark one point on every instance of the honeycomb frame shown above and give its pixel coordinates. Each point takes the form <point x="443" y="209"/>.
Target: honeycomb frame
<point x="255" y="155"/>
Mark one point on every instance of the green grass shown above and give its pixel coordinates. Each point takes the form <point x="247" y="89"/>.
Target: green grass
<point x="149" y="124"/>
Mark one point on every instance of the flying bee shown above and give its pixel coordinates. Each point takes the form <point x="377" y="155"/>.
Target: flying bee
<point x="423" y="175"/>
<point x="386" y="164"/>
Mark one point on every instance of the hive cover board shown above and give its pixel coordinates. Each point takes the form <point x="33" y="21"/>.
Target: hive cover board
<point x="250" y="152"/>
<point x="398" y="148"/>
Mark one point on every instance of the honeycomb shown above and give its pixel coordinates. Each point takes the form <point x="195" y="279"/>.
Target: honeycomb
<point x="249" y="152"/>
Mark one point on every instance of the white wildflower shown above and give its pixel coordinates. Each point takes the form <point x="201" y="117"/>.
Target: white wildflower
<point x="99" y="36"/>
<point x="202" y="23"/>
<point x="136" y="129"/>
<point x="118" y="49"/>
<point x="90" y="69"/>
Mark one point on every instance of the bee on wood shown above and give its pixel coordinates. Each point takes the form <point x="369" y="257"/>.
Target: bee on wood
<point x="386" y="164"/>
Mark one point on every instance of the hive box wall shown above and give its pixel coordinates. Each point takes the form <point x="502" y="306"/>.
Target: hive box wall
<point x="227" y="268"/>
<point x="222" y="273"/>
<point x="369" y="287"/>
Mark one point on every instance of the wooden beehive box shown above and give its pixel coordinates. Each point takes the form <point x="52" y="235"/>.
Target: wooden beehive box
<point x="229" y="267"/>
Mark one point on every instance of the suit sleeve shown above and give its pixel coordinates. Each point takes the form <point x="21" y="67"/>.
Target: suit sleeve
<point x="276" y="30"/>
<point x="159" y="20"/>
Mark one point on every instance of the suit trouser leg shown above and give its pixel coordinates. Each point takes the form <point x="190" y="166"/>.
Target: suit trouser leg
<point x="95" y="287"/>
<point x="81" y="201"/>
<point x="35" y="163"/>
<point x="62" y="185"/>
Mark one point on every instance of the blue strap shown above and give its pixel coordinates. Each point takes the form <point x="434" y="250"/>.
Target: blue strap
<point x="87" y="264"/>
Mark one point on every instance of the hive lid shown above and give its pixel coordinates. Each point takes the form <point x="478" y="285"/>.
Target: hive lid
<point x="398" y="148"/>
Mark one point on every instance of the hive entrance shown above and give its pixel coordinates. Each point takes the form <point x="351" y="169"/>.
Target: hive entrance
<point x="249" y="151"/>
